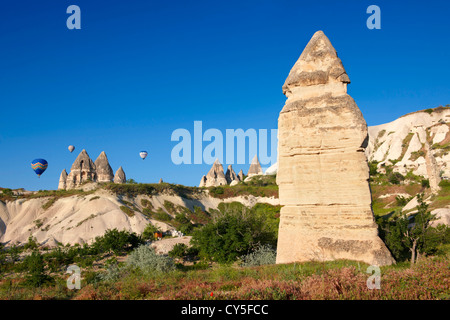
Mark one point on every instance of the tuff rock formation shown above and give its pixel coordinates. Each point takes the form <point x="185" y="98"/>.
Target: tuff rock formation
<point x="120" y="177"/>
<point x="241" y="175"/>
<point x="62" y="180"/>
<point x="103" y="169"/>
<point x="160" y="180"/>
<point x="322" y="169"/>
<point x="230" y="175"/>
<point x="417" y="142"/>
<point x="255" y="167"/>
<point x="215" y="176"/>
<point x="83" y="170"/>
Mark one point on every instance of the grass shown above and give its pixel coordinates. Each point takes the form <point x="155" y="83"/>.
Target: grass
<point x="258" y="186"/>
<point x="129" y="212"/>
<point x="332" y="280"/>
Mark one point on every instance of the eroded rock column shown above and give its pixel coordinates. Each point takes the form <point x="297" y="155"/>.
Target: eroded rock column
<point x="322" y="169"/>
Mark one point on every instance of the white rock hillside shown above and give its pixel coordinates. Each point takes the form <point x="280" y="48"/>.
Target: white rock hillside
<point x="418" y="141"/>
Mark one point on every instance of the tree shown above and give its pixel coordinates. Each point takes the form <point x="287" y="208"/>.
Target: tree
<point x="117" y="241"/>
<point x="407" y="237"/>
<point x="234" y="231"/>
<point x="36" y="269"/>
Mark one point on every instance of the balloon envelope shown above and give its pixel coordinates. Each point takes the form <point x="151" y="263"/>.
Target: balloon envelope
<point x="143" y="154"/>
<point x="71" y="148"/>
<point x="39" y="166"/>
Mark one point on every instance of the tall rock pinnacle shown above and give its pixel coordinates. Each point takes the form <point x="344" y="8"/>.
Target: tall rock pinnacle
<point x="230" y="175"/>
<point x="83" y="170"/>
<point x="120" y="177"/>
<point x="255" y="167"/>
<point x="322" y="169"/>
<point x="62" y="180"/>
<point x="215" y="176"/>
<point x="103" y="169"/>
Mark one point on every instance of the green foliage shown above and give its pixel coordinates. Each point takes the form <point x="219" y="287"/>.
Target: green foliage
<point x="35" y="266"/>
<point x="129" y="212"/>
<point x="215" y="191"/>
<point x="373" y="166"/>
<point x="178" y="251"/>
<point x="116" y="241"/>
<point x="160" y="215"/>
<point x="49" y="203"/>
<point x="261" y="256"/>
<point x="425" y="183"/>
<point x="31" y="244"/>
<point x="146" y="203"/>
<point x="147" y="260"/>
<point x="7" y="192"/>
<point x="234" y="231"/>
<point x="429" y="111"/>
<point x="149" y="232"/>
<point x="183" y="223"/>
<point x="407" y="237"/>
<point x="444" y="183"/>
<point x="402" y="201"/>
<point x="395" y="177"/>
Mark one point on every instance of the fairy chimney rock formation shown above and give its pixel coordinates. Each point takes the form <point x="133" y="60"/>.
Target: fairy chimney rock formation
<point x="215" y="176"/>
<point x="120" y="177"/>
<point x="230" y="175"/>
<point x="83" y="170"/>
<point x="62" y="180"/>
<point x="103" y="169"/>
<point x="241" y="175"/>
<point x="323" y="173"/>
<point x="255" y="167"/>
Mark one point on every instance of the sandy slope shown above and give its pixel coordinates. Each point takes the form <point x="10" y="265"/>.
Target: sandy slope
<point x="78" y="219"/>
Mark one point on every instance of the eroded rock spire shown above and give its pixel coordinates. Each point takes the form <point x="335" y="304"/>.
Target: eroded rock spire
<point x="322" y="169"/>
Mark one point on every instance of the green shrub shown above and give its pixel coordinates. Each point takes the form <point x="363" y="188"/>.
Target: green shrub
<point x="160" y="215"/>
<point x="147" y="260"/>
<point x="149" y="232"/>
<point x="116" y="241"/>
<point x="235" y="231"/>
<point x="425" y="183"/>
<point x="49" y="203"/>
<point x="178" y="251"/>
<point x="129" y="212"/>
<point x="261" y="256"/>
<point x="35" y="266"/>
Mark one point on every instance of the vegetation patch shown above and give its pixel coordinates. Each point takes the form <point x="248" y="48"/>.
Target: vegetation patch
<point x="129" y="212"/>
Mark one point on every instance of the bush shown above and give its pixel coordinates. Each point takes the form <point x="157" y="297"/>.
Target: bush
<point x="147" y="260"/>
<point x="235" y="231"/>
<point x="261" y="256"/>
<point x="178" y="251"/>
<point x="149" y="232"/>
<point x="129" y="212"/>
<point x="396" y="178"/>
<point x="425" y="183"/>
<point x="35" y="266"/>
<point x="116" y="241"/>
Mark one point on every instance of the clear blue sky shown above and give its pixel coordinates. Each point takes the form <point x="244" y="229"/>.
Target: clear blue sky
<point x="137" y="70"/>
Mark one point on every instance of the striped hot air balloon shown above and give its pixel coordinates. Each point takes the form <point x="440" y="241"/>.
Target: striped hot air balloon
<point x="39" y="166"/>
<point x="143" y="154"/>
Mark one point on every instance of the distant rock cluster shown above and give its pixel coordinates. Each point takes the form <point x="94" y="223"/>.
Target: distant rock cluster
<point x="85" y="170"/>
<point x="217" y="177"/>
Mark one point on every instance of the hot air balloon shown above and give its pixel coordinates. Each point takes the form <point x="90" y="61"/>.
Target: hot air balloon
<point x="39" y="166"/>
<point x="71" y="148"/>
<point x="143" y="154"/>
